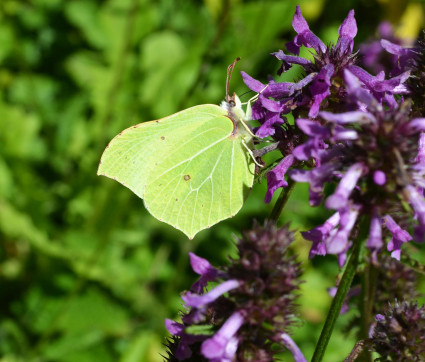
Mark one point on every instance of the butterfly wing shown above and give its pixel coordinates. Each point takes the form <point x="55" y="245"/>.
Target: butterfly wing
<point x="132" y="154"/>
<point x="188" y="167"/>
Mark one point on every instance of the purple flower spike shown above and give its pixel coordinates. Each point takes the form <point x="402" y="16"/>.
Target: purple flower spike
<point x="293" y="348"/>
<point x="400" y="236"/>
<point x="198" y="301"/>
<point x="246" y="304"/>
<point x="379" y="178"/>
<point x="215" y="347"/>
<point x="340" y="197"/>
<point x="347" y="31"/>
<point x="320" y="234"/>
<point x="276" y="177"/>
<point x="305" y="35"/>
<point x="202" y="267"/>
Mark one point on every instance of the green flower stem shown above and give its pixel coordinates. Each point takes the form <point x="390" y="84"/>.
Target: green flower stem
<point x="367" y="301"/>
<point x="337" y="302"/>
<point x="281" y="201"/>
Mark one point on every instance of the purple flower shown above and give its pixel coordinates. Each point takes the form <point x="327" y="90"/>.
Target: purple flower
<point x="291" y="345"/>
<point x="339" y="243"/>
<point x="347" y="31"/>
<point x="183" y="350"/>
<point x="375" y="242"/>
<point x="320" y="234"/>
<point x="332" y="81"/>
<point x="385" y="52"/>
<point x="199" y="301"/>
<point x="305" y="35"/>
<point x="217" y="347"/>
<point x="399" y="236"/>
<point x="379" y="177"/>
<point x="339" y="199"/>
<point x="403" y="56"/>
<point x="276" y="177"/>
<point x="202" y="267"/>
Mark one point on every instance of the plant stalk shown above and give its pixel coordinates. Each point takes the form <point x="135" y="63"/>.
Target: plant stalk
<point x="368" y="299"/>
<point x="337" y="302"/>
<point x="281" y="201"/>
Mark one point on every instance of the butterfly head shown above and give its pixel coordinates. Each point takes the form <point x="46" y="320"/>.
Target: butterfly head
<point x="233" y="106"/>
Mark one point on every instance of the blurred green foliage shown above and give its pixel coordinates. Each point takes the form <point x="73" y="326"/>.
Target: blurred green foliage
<point x="85" y="273"/>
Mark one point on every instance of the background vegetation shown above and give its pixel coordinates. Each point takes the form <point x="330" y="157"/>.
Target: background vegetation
<point x="85" y="273"/>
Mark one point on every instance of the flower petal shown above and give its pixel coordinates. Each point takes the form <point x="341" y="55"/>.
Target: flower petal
<point x="293" y="348"/>
<point x="339" y="198"/>
<point x="399" y="236"/>
<point x="202" y="267"/>
<point x="268" y="127"/>
<point x="347" y="31"/>
<point x="252" y="83"/>
<point x="215" y="347"/>
<point x="197" y="301"/>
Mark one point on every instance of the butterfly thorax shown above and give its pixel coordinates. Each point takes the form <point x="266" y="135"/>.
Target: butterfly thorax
<point x="238" y="116"/>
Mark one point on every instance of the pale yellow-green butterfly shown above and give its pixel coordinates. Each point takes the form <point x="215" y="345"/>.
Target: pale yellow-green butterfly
<point x="192" y="169"/>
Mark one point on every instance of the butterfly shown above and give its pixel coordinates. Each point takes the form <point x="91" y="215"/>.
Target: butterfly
<point x="193" y="168"/>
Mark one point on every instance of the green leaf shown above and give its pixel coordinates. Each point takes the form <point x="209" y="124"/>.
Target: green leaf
<point x="204" y="330"/>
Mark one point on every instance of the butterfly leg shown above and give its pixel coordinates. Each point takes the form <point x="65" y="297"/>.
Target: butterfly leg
<point x="251" y="154"/>
<point x="252" y="100"/>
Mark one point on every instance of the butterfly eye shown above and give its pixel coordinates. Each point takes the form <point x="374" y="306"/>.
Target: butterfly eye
<point x="232" y="102"/>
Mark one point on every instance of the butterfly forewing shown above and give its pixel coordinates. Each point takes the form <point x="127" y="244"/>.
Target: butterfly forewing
<point x="135" y="152"/>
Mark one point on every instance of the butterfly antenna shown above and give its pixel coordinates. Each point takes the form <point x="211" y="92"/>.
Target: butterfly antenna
<point x="229" y="76"/>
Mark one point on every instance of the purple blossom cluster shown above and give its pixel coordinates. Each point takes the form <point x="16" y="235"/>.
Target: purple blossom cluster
<point x="250" y="308"/>
<point x="359" y="134"/>
<point x="399" y="333"/>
